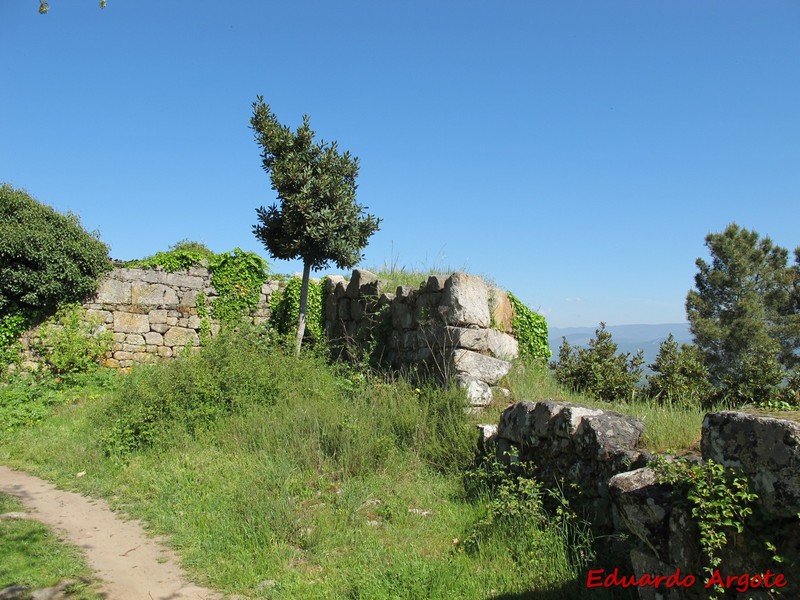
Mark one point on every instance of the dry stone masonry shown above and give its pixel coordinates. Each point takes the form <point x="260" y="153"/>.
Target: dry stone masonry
<point x="454" y="325"/>
<point x="154" y="313"/>
<point x="598" y="452"/>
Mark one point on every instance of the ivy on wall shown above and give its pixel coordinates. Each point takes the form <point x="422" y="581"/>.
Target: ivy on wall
<point x="284" y="306"/>
<point x="530" y="329"/>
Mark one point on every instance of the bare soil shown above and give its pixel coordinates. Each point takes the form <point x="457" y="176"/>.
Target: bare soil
<point x="131" y="565"/>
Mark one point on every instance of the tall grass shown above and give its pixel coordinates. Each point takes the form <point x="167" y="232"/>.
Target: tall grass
<point x="277" y="476"/>
<point x="668" y="426"/>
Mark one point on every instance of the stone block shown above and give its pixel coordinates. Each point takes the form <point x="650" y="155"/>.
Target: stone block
<point x="119" y="336"/>
<point x="184" y="281"/>
<point x="189" y="298"/>
<point x="765" y="448"/>
<point x="172" y="321"/>
<point x="641" y="506"/>
<point x="103" y="316"/>
<point x="153" y="294"/>
<point x="181" y="336"/>
<point x="125" y="322"/>
<point x="134" y="339"/>
<point x="159" y="327"/>
<point x="401" y="316"/>
<point x="502" y="311"/>
<point x="462" y="337"/>
<point x="154" y="338"/>
<point x="164" y="351"/>
<point x="435" y="283"/>
<point x="121" y="355"/>
<point x="501" y="345"/>
<point x="478" y="392"/>
<point x="484" y="368"/>
<point x="362" y="283"/>
<point x="194" y="322"/>
<point x="157" y="316"/>
<point x="569" y="418"/>
<point x="331" y="281"/>
<point x="602" y="436"/>
<point x="113" y="291"/>
<point x="465" y="301"/>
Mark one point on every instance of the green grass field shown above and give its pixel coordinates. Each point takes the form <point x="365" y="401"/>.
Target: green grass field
<point x="277" y="476"/>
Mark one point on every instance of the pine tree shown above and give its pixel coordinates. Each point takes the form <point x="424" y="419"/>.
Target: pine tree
<point x="744" y="314"/>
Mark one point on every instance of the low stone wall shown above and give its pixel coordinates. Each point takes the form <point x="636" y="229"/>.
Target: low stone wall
<point x="454" y="325"/>
<point x="619" y="493"/>
<point x="153" y="313"/>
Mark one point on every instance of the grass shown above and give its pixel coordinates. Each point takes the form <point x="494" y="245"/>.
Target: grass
<point x="32" y="556"/>
<point x="277" y="476"/>
<point x="668" y="427"/>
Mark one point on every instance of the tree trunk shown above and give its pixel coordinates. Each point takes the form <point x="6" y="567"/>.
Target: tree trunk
<point x="301" y="319"/>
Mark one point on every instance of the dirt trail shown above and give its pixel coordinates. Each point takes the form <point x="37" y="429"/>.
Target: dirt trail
<point x="131" y="565"/>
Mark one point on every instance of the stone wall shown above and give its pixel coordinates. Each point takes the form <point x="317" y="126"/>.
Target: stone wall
<point x="153" y="313"/>
<point x="449" y="326"/>
<point x="598" y="452"/>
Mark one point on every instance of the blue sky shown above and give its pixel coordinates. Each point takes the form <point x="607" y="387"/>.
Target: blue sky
<point x="577" y="153"/>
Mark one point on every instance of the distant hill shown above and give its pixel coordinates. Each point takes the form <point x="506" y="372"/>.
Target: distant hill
<point x="629" y="338"/>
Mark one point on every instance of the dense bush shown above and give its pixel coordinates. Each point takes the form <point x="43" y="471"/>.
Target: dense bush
<point x="599" y="370"/>
<point x="46" y="258"/>
<point x="680" y="375"/>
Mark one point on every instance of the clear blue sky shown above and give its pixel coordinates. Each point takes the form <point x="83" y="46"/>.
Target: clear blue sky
<point x="575" y="152"/>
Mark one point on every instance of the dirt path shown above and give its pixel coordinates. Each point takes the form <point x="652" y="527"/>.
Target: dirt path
<point x="131" y="565"/>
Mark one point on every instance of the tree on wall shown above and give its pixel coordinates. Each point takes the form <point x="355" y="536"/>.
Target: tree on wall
<point x="745" y="314"/>
<point x="318" y="219"/>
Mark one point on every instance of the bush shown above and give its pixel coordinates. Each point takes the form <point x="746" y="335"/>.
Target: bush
<point x="680" y="375"/>
<point x="72" y="342"/>
<point x="46" y="258"/>
<point x="599" y="370"/>
<point x="182" y="255"/>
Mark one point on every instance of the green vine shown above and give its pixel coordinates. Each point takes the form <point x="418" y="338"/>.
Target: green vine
<point x="284" y="306"/>
<point x="237" y="276"/>
<point x="530" y="329"/>
<point x="180" y="256"/>
<point x="205" y="322"/>
<point x="12" y="326"/>
<point x="720" y="501"/>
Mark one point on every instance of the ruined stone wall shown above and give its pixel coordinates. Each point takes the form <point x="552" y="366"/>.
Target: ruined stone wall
<point x="449" y="326"/>
<point x="599" y="452"/>
<point x="153" y="313"/>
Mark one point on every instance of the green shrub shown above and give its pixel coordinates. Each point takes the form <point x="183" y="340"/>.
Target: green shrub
<point x="72" y="342"/>
<point x="530" y="329"/>
<point x="598" y="370"/>
<point x="680" y="375"/>
<point x="46" y="258"/>
<point x="180" y="256"/>
<point x="284" y="308"/>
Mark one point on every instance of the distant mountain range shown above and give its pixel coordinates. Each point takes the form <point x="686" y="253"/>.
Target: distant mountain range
<point x="629" y="338"/>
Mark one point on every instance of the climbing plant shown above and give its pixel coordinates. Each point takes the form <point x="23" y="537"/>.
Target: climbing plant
<point x="284" y="308"/>
<point x="530" y="329"/>
<point x="237" y="276"/>
<point x="720" y="501"/>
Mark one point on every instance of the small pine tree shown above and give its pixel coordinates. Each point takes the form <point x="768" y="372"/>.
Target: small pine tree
<point x="599" y="370"/>
<point x="680" y="375"/>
